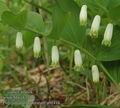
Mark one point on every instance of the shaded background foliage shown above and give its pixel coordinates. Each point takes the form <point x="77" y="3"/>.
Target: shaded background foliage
<point x="60" y="24"/>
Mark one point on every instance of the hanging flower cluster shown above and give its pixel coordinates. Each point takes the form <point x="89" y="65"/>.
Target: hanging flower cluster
<point x="95" y="27"/>
<point x="55" y="56"/>
<point x="37" y="49"/>
<point x="78" y="62"/>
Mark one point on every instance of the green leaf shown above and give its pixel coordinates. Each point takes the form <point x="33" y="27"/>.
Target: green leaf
<point x="3" y="7"/>
<point x="30" y="101"/>
<point x="101" y="52"/>
<point x="114" y="13"/>
<point x="66" y="22"/>
<point x="35" y="23"/>
<point x="17" y="21"/>
<point x="114" y="69"/>
<point x="113" y="3"/>
<point x="24" y="20"/>
<point x="108" y="9"/>
<point x="28" y="27"/>
<point x="97" y="7"/>
<point x="110" y="53"/>
<point x="28" y="38"/>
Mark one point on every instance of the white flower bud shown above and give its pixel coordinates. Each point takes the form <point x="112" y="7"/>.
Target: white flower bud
<point x="19" y="40"/>
<point x="37" y="47"/>
<point x="108" y="35"/>
<point x="83" y="15"/>
<point x="95" y="26"/>
<point x="77" y="60"/>
<point x="55" y="56"/>
<point x="95" y="73"/>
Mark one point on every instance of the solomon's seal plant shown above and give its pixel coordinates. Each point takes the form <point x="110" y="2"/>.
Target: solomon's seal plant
<point x="79" y="58"/>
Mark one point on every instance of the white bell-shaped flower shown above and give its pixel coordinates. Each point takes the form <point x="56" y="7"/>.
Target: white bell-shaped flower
<point x="55" y="56"/>
<point x="19" y="40"/>
<point x="95" y="26"/>
<point x="37" y="47"/>
<point x="77" y="60"/>
<point x="83" y="15"/>
<point x="95" y="73"/>
<point x="108" y="35"/>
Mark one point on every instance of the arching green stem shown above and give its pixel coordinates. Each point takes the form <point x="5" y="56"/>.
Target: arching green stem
<point x="90" y="55"/>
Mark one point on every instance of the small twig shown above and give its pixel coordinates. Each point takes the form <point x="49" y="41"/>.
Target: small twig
<point x="76" y="97"/>
<point x="87" y="89"/>
<point x="75" y="84"/>
<point x="38" y="69"/>
<point x="107" y="73"/>
<point x="114" y="100"/>
<point x="16" y="79"/>
<point x="97" y="92"/>
<point x="103" y="102"/>
<point x="50" y="69"/>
